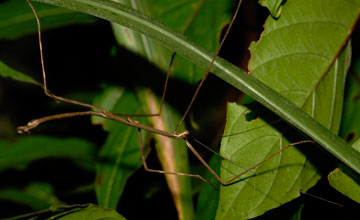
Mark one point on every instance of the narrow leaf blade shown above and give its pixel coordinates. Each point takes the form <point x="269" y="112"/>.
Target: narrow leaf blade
<point x="172" y="154"/>
<point x="344" y="183"/>
<point x="72" y="212"/>
<point x="274" y="6"/>
<point x="120" y="155"/>
<point x="28" y="149"/>
<point x="36" y="195"/>
<point x="8" y="72"/>
<point x="202" y="22"/>
<point x="17" y="19"/>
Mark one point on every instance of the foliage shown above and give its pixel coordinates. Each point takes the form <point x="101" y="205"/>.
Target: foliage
<point x="70" y="161"/>
<point x="86" y="212"/>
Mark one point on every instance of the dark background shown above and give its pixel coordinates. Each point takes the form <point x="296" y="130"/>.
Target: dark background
<point x="79" y="64"/>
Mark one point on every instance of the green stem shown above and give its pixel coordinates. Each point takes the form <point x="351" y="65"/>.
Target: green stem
<point x="238" y="78"/>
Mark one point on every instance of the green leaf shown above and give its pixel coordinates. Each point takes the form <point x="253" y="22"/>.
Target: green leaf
<point x="120" y="155"/>
<point x="350" y="122"/>
<point x="107" y="99"/>
<point x="296" y="67"/>
<point x="201" y="21"/>
<point x="276" y="181"/>
<point x="297" y="214"/>
<point x="356" y="145"/>
<point x="17" y="19"/>
<point x="36" y="195"/>
<point x="6" y="71"/>
<point x="172" y="154"/>
<point x="233" y="75"/>
<point x="309" y="73"/>
<point x="73" y="212"/>
<point x="138" y="43"/>
<point x="274" y="6"/>
<point x="91" y="212"/>
<point x="345" y="184"/>
<point x="27" y="149"/>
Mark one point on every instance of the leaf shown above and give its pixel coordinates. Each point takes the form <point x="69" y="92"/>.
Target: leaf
<point x="350" y="122"/>
<point x="27" y="149"/>
<point x="120" y="155"/>
<point x="84" y="212"/>
<point x="138" y="43"/>
<point x="274" y="6"/>
<point x="356" y="145"/>
<point x="17" y="19"/>
<point x="6" y="71"/>
<point x="36" y="195"/>
<point x="295" y="66"/>
<point x="107" y="99"/>
<point x="114" y="170"/>
<point x="297" y="214"/>
<point x="325" y="102"/>
<point x="172" y="154"/>
<point x="275" y="182"/>
<point x="92" y="212"/>
<point x="201" y="21"/>
<point x="344" y="183"/>
<point x="309" y="73"/>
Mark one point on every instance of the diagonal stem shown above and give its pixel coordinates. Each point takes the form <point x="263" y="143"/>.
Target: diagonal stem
<point x="209" y="67"/>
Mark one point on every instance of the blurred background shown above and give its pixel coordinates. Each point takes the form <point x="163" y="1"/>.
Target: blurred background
<point x="81" y="56"/>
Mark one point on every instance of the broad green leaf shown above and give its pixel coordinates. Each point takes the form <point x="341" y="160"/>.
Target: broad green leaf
<point x="27" y="149"/>
<point x="36" y="195"/>
<point x="325" y="101"/>
<point x="309" y="73"/>
<point x="73" y="212"/>
<point x="295" y="67"/>
<point x="17" y="19"/>
<point x="120" y="155"/>
<point x="276" y="181"/>
<point x="172" y="154"/>
<point x="6" y="71"/>
<point x="201" y="21"/>
<point x="350" y="122"/>
<point x="274" y="6"/>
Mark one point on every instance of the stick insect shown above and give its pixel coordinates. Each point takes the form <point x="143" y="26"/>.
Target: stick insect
<point x="101" y="112"/>
<point x="133" y="123"/>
